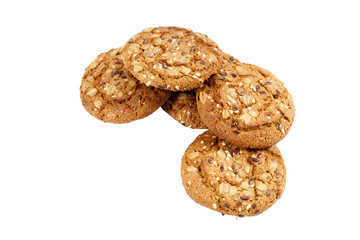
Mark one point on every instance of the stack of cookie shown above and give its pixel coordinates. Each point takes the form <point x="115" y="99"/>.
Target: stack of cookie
<point x="234" y="167"/>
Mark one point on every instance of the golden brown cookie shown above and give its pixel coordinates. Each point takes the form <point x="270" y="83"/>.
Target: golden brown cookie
<point x="171" y="58"/>
<point x="111" y="94"/>
<point x="246" y="106"/>
<point x="182" y="107"/>
<point x="226" y="179"/>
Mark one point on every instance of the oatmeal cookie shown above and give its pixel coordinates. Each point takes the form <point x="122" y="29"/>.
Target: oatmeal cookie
<point x="111" y="94"/>
<point x="246" y="105"/>
<point x="171" y="58"/>
<point x="182" y="107"/>
<point x="232" y="181"/>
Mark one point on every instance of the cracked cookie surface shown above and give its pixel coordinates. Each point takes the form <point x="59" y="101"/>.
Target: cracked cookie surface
<point x="232" y="181"/>
<point x="182" y="107"/>
<point x="111" y="94"/>
<point x="171" y="58"/>
<point x="246" y="106"/>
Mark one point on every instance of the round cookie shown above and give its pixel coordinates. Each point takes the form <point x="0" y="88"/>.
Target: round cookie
<point x="226" y="179"/>
<point x="182" y="107"/>
<point x="246" y="106"/>
<point x="171" y="58"/>
<point x="111" y="94"/>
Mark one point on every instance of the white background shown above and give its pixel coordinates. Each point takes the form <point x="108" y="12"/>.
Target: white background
<point x="66" y="175"/>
